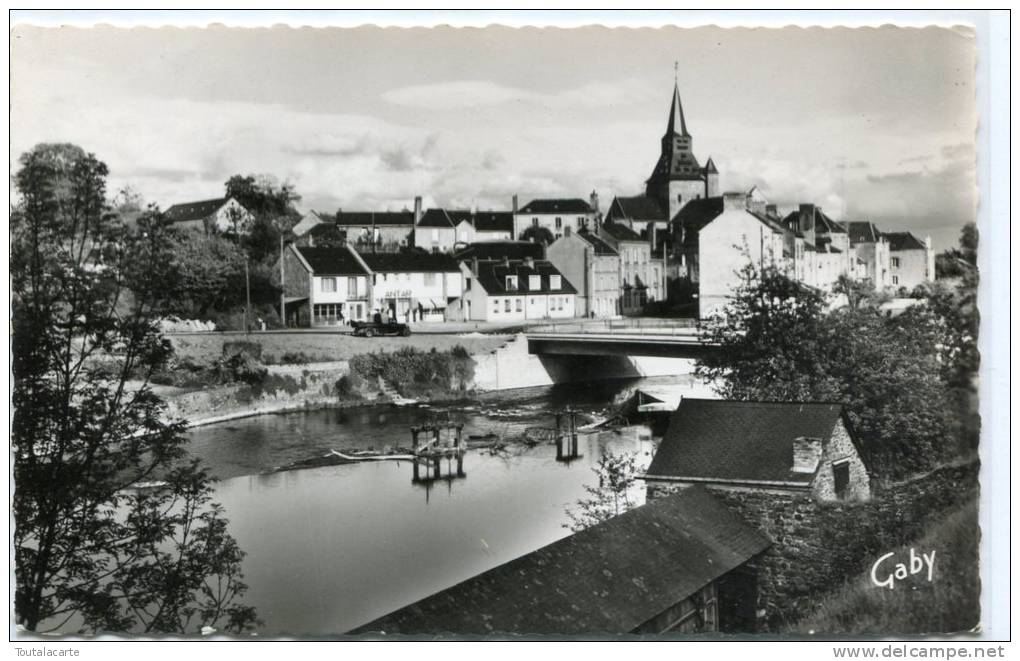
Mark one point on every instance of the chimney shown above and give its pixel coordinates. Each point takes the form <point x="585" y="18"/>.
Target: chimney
<point x="807" y="452"/>
<point x="417" y="209"/>
<point x="474" y="266"/>
<point x="529" y="261"/>
<point x="771" y="211"/>
<point x="734" y="202"/>
<point x="515" y="204"/>
<point x="594" y="201"/>
<point x="807" y="217"/>
<point x="651" y="235"/>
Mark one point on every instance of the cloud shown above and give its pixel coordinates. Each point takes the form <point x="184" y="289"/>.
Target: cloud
<point x="464" y="94"/>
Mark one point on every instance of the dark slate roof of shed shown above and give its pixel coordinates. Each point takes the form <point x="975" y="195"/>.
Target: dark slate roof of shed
<point x="598" y="245"/>
<point x="331" y="261"/>
<point x="640" y="207"/>
<point x="569" y="205"/>
<point x="492" y="277"/>
<point x="485" y="221"/>
<point x="501" y="249"/>
<point x="368" y="218"/>
<point x="742" y="441"/>
<point x="610" y="578"/>
<point x="193" y="210"/>
<point x="411" y="261"/>
<point x="620" y="232"/>
<point x="903" y="241"/>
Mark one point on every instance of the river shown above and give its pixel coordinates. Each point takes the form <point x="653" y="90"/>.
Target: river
<point x="334" y="547"/>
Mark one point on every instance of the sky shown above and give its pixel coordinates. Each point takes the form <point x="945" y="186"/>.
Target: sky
<point x="869" y="123"/>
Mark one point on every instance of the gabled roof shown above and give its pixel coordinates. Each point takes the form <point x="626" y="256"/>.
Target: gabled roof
<point x="484" y="221"/>
<point x="598" y="245"/>
<point x="639" y="207"/>
<point x="862" y="232"/>
<point x="331" y="261"/>
<point x="741" y="441"/>
<point x="609" y="578"/>
<point x="436" y="218"/>
<point x="501" y="249"/>
<point x="492" y="277"/>
<point x="903" y="241"/>
<point x="186" y="211"/>
<point x="557" y="205"/>
<point x="369" y="218"/>
<point x="829" y="225"/>
<point x="310" y="221"/>
<point x="620" y="232"/>
<point x="697" y="213"/>
<point x="411" y="261"/>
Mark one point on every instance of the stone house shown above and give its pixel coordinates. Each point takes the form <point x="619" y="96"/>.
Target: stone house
<point x="513" y="290"/>
<point x="473" y="226"/>
<point x="680" y="564"/>
<point x="413" y="285"/>
<point x="325" y="286"/>
<point x="435" y="231"/>
<point x="555" y="215"/>
<point x="642" y="271"/>
<point x="911" y="261"/>
<point x="378" y="230"/>
<point x="221" y="214"/>
<point x="594" y="265"/>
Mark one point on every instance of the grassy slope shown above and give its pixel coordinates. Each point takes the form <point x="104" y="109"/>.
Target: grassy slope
<point x="950" y="603"/>
<point x="324" y="348"/>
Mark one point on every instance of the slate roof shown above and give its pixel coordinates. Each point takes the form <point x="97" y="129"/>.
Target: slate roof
<point x="556" y="205"/>
<point x="598" y="245"/>
<point x="620" y="232"/>
<point x="609" y="578"/>
<point x="697" y="213"/>
<point x="185" y="211"/>
<point x="862" y="232"/>
<point x="492" y="277"/>
<point x="903" y="241"/>
<point x="368" y="218"/>
<point x="501" y="249"/>
<point x="411" y="261"/>
<point x="331" y="261"/>
<point x="742" y="441"/>
<point x="640" y="207"/>
<point x="485" y="221"/>
<point x="823" y="223"/>
<point x="435" y="218"/>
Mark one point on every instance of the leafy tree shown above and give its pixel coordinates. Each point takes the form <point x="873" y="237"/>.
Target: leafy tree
<point x="93" y="551"/>
<point x="777" y="342"/>
<point x="271" y="206"/>
<point x="969" y="243"/>
<point x="538" y="234"/>
<point x="610" y="496"/>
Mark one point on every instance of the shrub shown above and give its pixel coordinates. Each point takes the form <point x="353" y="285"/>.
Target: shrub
<point x="411" y="371"/>
<point x="233" y="347"/>
<point x="295" y="358"/>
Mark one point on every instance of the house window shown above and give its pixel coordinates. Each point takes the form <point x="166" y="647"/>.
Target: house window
<point x="841" y="478"/>
<point x="554" y="282"/>
<point x="506" y="305"/>
<point x="520" y="304"/>
<point x="467" y="284"/>
<point x="511" y="283"/>
<point x="329" y="284"/>
<point x="896" y="279"/>
<point x="495" y="306"/>
<point x="895" y="262"/>
<point x="559" y="223"/>
<point x="352" y="287"/>
<point x="534" y="282"/>
<point x="534" y="222"/>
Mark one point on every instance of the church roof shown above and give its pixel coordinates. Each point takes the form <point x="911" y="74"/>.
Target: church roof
<point x="710" y="166"/>
<point x="676" y="115"/>
<point x="639" y="207"/>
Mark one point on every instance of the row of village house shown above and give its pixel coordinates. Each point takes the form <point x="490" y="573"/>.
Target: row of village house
<point x="681" y="227"/>
<point x="468" y="265"/>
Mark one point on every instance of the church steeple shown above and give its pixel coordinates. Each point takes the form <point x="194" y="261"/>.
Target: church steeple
<point x="676" y="115"/>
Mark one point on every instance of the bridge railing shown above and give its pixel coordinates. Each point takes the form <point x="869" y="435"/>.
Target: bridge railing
<point x="626" y="325"/>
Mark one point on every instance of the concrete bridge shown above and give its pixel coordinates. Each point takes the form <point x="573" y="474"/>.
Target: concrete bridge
<point x="665" y="338"/>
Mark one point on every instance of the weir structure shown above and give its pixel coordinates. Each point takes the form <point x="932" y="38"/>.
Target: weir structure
<point x="430" y="445"/>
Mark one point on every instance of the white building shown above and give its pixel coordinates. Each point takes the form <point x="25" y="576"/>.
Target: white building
<point x="222" y="214"/>
<point x="513" y="290"/>
<point x="413" y="286"/>
<point x="554" y="215"/>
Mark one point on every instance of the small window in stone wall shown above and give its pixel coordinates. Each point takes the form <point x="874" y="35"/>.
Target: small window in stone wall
<point x="841" y="478"/>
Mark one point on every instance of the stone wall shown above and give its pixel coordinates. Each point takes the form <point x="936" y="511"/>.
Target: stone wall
<point x="840" y="448"/>
<point x="817" y="546"/>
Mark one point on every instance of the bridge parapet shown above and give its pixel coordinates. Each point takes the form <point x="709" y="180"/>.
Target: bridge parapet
<point x="624" y="326"/>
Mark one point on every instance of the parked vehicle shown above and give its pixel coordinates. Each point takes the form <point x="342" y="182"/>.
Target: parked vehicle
<point x="373" y="328"/>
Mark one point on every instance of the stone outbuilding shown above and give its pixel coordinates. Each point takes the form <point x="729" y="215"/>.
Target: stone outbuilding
<point x="680" y="564"/>
<point x="785" y="447"/>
